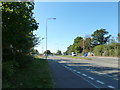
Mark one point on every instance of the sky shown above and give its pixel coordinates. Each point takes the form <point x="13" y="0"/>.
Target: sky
<point x="73" y="19"/>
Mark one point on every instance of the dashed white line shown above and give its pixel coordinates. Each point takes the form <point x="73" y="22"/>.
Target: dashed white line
<point x="108" y="75"/>
<point x="91" y="78"/>
<point x="84" y="74"/>
<point x="86" y="80"/>
<point x="74" y="70"/>
<point x="78" y="72"/>
<point x="111" y="86"/>
<point x="100" y="82"/>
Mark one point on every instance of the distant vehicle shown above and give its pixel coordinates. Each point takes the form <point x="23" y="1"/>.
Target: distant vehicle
<point x="73" y="53"/>
<point x="85" y="54"/>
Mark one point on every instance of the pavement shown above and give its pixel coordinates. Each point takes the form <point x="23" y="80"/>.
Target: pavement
<point x="71" y="73"/>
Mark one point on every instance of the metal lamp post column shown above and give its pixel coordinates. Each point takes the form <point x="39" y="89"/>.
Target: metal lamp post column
<point x="46" y="33"/>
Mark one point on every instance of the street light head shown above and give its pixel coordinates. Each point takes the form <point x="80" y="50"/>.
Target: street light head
<point x="52" y="18"/>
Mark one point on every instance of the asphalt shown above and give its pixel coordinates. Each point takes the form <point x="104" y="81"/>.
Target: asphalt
<point x="65" y="76"/>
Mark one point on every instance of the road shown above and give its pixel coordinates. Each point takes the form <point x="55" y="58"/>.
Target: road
<point x="76" y="73"/>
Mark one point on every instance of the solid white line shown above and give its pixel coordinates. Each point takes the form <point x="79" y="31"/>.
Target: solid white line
<point x="111" y="86"/>
<point x="91" y="78"/>
<point x="84" y="74"/>
<point x="100" y="82"/>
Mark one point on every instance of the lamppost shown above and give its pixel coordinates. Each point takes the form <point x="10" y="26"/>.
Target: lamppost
<point x="42" y="44"/>
<point x="46" y="33"/>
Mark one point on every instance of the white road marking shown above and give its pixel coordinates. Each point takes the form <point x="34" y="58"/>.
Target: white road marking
<point x="86" y="80"/>
<point x="108" y="75"/>
<point x="91" y="78"/>
<point x="78" y="72"/>
<point x="116" y="78"/>
<point x="100" y="82"/>
<point x="111" y="86"/>
<point x="74" y="70"/>
<point x="84" y="74"/>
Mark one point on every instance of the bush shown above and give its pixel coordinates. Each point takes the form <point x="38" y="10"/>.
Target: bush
<point x="98" y="50"/>
<point x="9" y="68"/>
<point x="23" y="60"/>
<point x="111" y="49"/>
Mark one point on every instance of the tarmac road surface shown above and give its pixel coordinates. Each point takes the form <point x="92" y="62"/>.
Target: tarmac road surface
<point x="75" y="73"/>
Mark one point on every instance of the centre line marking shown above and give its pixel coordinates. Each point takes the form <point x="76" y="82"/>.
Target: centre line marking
<point x="100" y="82"/>
<point x="74" y="70"/>
<point x="84" y="74"/>
<point x="91" y="78"/>
<point x="78" y="72"/>
<point x="111" y="86"/>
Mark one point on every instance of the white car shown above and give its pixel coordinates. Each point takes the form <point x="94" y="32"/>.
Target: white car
<point x="73" y="54"/>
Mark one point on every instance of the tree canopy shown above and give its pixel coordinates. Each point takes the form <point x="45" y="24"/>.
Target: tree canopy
<point x="98" y="37"/>
<point x="18" y="25"/>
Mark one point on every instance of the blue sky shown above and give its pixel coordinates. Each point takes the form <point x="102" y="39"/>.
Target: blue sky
<point x="73" y="19"/>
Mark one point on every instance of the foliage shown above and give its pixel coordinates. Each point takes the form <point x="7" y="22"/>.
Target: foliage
<point x="58" y="52"/>
<point x="111" y="49"/>
<point x="97" y="44"/>
<point x="98" y="50"/>
<point x="35" y="75"/>
<point x="34" y="51"/>
<point x="98" y="37"/>
<point x="18" y="25"/>
<point x="75" y="47"/>
<point x="48" y="52"/>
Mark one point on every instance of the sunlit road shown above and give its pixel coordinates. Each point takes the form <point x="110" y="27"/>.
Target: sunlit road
<point x="76" y="73"/>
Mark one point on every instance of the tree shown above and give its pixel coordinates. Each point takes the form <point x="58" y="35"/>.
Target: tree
<point x="118" y="37"/>
<point x="75" y="47"/>
<point x="87" y="44"/>
<point x="76" y="44"/>
<point x="18" y="25"/>
<point x="48" y="52"/>
<point x="59" y="52"/>
<point x="98" y="37"/>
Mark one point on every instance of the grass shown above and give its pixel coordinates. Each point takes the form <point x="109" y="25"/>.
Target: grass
<point x="35" y="75"/>
<point x="77" y="57"/>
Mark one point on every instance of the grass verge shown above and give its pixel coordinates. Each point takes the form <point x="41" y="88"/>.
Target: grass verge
<point x="77" y="57"/>
<point x="35" y="75"/>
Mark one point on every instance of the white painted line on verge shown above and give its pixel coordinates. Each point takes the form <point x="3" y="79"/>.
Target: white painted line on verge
<point x="84" y="74"/>
<point x="91" y="78"/>
<point x="111" y="86"/>
<point x="100" y="82"/>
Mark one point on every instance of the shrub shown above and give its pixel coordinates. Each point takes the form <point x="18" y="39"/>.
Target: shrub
<point x="9" y="68"/>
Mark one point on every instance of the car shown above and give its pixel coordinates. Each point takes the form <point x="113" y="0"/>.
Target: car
<point x="73" y="53"/>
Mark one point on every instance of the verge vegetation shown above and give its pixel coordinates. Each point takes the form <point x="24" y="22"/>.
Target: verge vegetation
<point x="83" y="58"/>
<point x="35" y="75"/>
